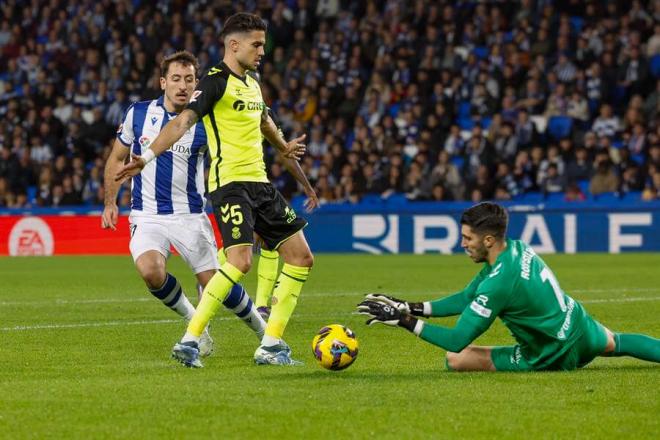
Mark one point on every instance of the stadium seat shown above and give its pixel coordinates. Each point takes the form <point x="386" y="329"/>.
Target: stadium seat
<point x="655" y="66"/>
<point x="481" y="52"/>
<point x="458" y="162"/>
<point x="464" y="108"/>
<point x="584" y="186"/>
<point x="31" y="194"/>
<point x="638" y="158"/>
<point x="560" y="126"/>
<point x="466" y="123"/>
<point x="577" y="23"/>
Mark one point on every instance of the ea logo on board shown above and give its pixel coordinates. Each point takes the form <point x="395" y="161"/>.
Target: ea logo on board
<point x="239" y="106"/>
<point x="30" y="236"/>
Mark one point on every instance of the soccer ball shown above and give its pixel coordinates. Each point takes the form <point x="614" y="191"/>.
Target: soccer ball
<point x="335" y="347"/>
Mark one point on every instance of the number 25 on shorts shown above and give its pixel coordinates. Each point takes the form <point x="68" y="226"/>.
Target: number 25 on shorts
<point x="233" y="212"/>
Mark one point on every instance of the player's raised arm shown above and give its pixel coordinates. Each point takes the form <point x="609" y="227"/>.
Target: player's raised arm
<point x="165" y="139"/>
<point x="293" y="149"/>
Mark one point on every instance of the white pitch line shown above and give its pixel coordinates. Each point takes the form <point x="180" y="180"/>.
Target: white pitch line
<point x="303" y="317"/>
<point x="615" y="300"/>
<point x="437" y="293"/>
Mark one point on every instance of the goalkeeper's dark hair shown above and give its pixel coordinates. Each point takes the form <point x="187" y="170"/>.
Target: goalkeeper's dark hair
<point x="242" y="22"/>
<point x="182" y="57"/>
<point x="486" y="219"/>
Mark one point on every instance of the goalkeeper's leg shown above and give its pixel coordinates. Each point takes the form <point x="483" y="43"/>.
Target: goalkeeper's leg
<point x="634" y="345"/>
<point x="471" y="358"/>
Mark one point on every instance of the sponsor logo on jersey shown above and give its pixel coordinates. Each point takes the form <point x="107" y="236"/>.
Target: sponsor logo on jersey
<point x="290" y="215"/>
<point x="180" y="149"/>
<point x="235" y="233"/>
<point x="480" y="310"/>
<point x="239" y="105"/>
<point x="561" y="334"/>
<point x="154" y="119"/>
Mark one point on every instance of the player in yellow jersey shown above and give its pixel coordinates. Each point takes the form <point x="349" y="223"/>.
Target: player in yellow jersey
<point x="229" y="103"/>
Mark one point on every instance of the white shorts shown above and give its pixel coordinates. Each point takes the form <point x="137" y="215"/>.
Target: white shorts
<point x="190" y="234"/>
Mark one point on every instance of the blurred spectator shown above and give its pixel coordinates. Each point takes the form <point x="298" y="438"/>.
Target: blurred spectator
<point x="387" y="80"/>
<point x="606" y="124"/>
<point x="604" y="178"/>
<point x="580" y="167"/>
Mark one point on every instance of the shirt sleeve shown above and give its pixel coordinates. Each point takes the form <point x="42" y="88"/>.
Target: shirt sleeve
<point x="454" y="304"/>
<point x="209" y="91"/>
<point x="125" y="132"/>
<point x="490" y="299"/>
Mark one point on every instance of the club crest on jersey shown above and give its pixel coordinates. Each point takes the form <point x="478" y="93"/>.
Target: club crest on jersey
<point x="144" y="141"/>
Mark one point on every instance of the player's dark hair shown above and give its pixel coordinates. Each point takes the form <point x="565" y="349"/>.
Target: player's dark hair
<point x="243" y="22"/>
<point x="182" y="57"/>
<point x="486" y="218"/>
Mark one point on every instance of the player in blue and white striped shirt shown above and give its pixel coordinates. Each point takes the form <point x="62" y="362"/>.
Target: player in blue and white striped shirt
<point x="167" y="198"/>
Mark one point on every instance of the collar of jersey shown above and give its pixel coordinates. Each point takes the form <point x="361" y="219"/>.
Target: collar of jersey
<point x="231" y="72"/>
<point x="505" y="252"/>
<point x="161" y="102"/>
<point x="509" y="244"/>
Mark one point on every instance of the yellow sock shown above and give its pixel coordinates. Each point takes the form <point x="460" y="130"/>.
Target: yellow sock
<point x="222" y="258"/>
<point x="266" y="276"/>
<point x="214" y="293"/>
<point x="285" y="298"/>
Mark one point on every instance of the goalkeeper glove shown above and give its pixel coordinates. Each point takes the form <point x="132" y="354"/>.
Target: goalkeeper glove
<point x="386" y="314"/>
<point x="411" y="308"/>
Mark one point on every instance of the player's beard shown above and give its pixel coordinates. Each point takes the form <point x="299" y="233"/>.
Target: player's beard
<point x="247" y="66"/>
<point x="480" y="255"/>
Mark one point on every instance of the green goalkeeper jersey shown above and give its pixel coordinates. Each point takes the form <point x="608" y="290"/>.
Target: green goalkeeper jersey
<point x="520" y="289"/>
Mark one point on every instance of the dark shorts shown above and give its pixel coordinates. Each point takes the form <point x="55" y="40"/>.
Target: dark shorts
<point x="592" y="343"/>
<point x="242" y="208"/>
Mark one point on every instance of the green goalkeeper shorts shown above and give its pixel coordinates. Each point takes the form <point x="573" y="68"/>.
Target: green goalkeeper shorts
<point x="591" y="344"/>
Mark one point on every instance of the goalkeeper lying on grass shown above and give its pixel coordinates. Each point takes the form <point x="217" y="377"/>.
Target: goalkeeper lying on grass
<point x="553" y="331"/>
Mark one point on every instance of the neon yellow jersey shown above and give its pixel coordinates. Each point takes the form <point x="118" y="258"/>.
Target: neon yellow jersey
<point x="231" y="107"/>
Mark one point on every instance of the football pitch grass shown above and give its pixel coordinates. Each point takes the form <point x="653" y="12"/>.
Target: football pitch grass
<point x="86" y="354"/>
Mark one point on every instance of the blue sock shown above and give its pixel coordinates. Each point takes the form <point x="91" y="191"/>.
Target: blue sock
<point x="239" y="302"/>
<point x="171" y="294"/>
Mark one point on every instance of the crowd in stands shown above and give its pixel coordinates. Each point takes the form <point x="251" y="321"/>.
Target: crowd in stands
<point x="437" y="100"/>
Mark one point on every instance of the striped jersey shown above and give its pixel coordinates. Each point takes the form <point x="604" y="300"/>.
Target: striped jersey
<point x="173" y="183"/>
